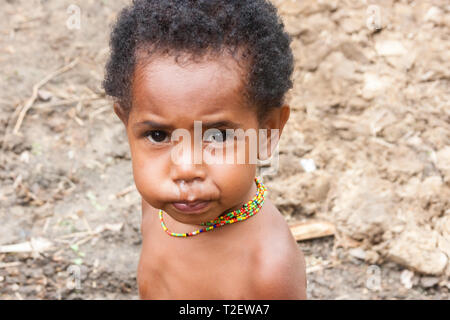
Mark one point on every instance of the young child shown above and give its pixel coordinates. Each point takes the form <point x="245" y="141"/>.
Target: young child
<point x="218" y="67"/>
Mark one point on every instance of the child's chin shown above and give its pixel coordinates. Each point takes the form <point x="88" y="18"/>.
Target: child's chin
<point x="196" y="218"/>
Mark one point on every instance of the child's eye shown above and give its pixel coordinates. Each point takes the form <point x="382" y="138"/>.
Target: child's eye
<point x="157" y="136"/>
<point x="215" y="135"/>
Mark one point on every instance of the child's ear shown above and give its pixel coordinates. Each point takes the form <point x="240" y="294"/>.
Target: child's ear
<point x="120" y="112"/>
<point x="274" y="123"/>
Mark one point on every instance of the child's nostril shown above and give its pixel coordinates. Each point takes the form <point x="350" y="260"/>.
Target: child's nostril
<point x="183" y="186"/>
<point x="188" y="190"/>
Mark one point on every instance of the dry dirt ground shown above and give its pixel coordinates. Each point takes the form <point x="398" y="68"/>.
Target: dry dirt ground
<point x="367" y="148"/>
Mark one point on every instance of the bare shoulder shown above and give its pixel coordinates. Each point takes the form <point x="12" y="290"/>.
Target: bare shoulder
<point x="280" y="270"/>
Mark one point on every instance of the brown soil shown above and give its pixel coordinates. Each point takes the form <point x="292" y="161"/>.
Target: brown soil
<point x="370" y="108"/>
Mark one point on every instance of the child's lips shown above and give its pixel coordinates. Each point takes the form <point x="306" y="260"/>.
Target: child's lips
<point x="191" y="206"/>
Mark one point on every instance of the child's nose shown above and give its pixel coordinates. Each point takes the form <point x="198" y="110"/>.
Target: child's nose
<point x="187" y="173"/>
<point x="185" y="167"/>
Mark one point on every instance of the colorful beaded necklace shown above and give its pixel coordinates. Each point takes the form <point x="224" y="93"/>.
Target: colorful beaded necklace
<point x="249" y="209"/>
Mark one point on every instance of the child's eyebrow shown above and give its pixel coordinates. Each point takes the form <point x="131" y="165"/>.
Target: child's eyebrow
<point x="152" y="124"/>
<point x="221" y="124"/>
<point x="205" y="124"/>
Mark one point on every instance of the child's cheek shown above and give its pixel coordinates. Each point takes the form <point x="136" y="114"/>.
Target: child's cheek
<point x="149" y="176"/>
<point x="232" y="167"/>
<point x="235" y="182"/>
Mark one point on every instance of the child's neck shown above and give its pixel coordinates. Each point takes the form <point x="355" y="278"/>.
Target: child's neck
<point x="248" y="196"/>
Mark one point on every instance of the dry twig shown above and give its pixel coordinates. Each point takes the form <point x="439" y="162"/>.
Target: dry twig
<point x="311" y="230"/>
<point x="10" y="264"/>
<point x="125" y="191"/>
<point x="29" y="103"/>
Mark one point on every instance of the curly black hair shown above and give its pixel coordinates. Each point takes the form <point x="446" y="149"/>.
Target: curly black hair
<point x="199" y="27"/>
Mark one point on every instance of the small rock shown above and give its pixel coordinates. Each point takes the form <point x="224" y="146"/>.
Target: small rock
<point x="352" y="52"/>
<point x="15" y="287"/>
<point x="390" y="48"/>
<point x="49" y="270"/>
<point x="445" y="284"/>
<point x="372" y="257"/>
<point x="392" y="133"/>
<point x="28" y="290"/>
<point x="320" y="188"/>
<point x="44" y="95"/>
<point x="343" y="68"/>
<point x="308" y="165"/>
<point x="435" y="15"/>
<point x="443" y="159"/>
<point x="293" y="27"/>
<point x="351" y="24"/>
<point x="429" y="282"/>
<point x="32" y="273"/>
<point x="25" y="157"/>
<point x="363" y="209"/>
<point x="416" y="249"/>
<point x="374" y="85"/>
<point x="358" y="253"/>
<point x="406" y="278"/>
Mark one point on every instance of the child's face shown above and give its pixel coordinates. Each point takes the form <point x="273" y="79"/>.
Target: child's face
<point x="167" y="96"/>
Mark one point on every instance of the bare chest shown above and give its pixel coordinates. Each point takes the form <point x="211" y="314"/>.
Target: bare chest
<point x="188" y="268"/>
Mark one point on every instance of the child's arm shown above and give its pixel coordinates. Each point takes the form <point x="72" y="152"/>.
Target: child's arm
<point x="283" y="278"/>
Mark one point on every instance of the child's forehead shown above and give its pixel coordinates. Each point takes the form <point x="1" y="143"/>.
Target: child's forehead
<point x="211" y="82"/>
